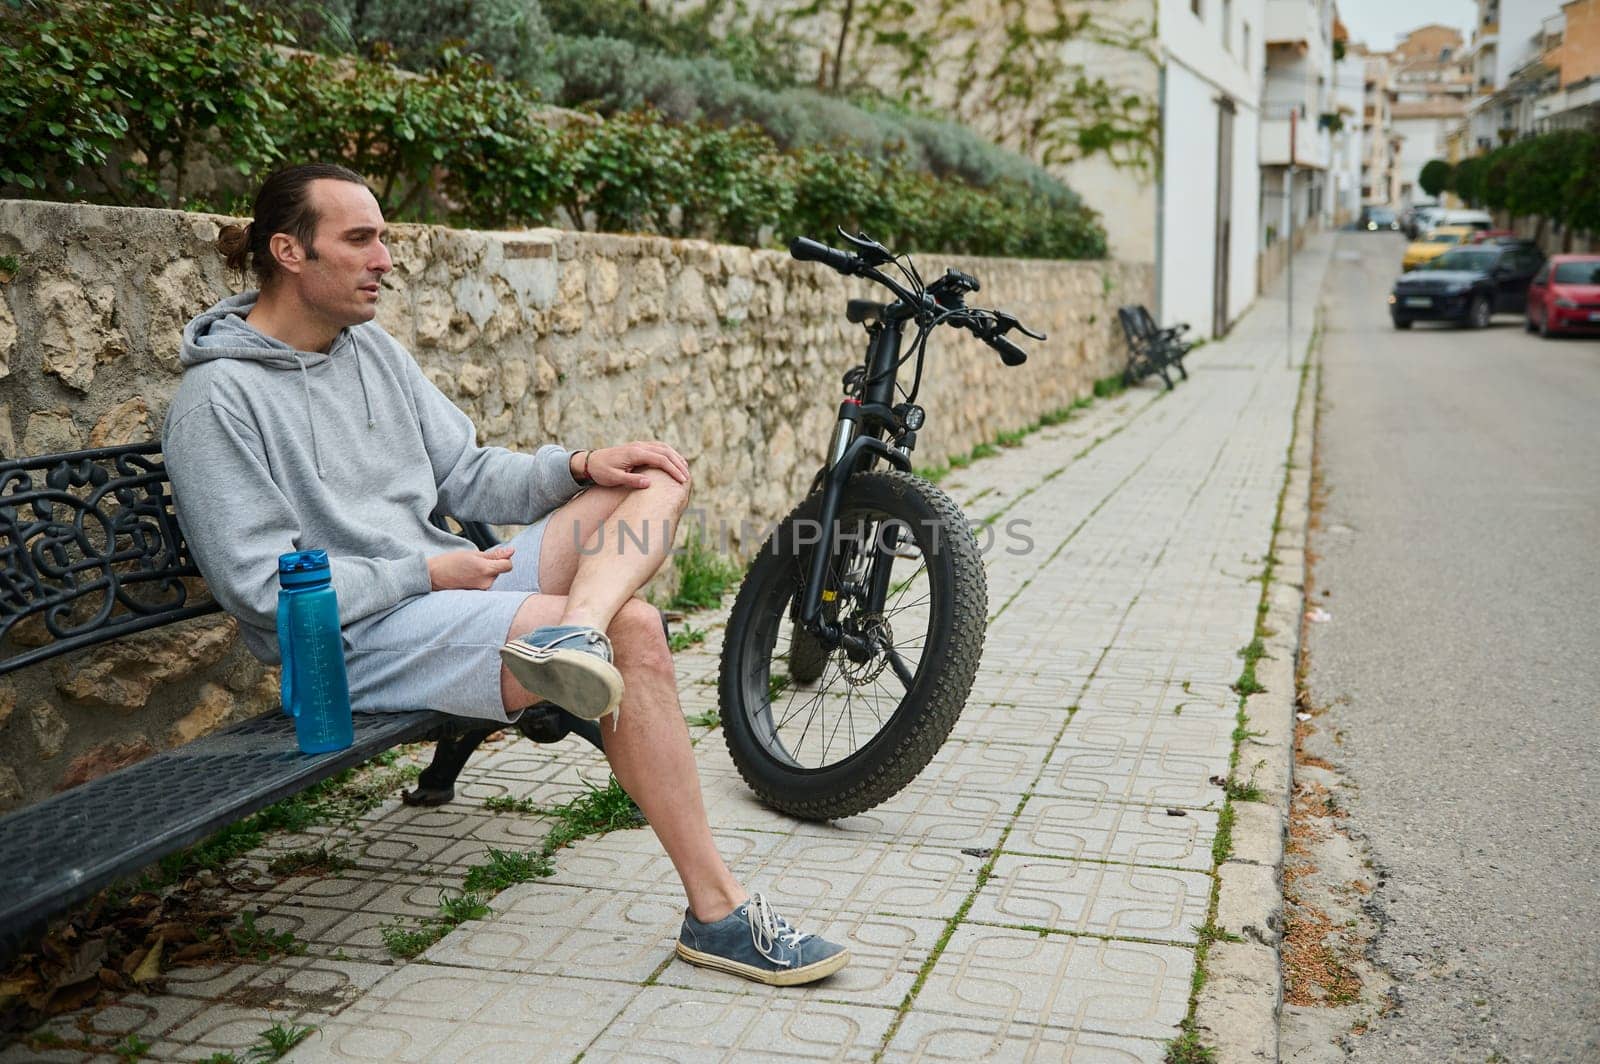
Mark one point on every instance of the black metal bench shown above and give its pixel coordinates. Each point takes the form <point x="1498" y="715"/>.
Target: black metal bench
<point x="1151" y="349"/>
<point x="91" y="551"/>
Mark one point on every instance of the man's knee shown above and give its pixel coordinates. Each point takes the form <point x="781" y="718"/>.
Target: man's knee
<point x="672" y="491"/>
<point x="638" y="637"/>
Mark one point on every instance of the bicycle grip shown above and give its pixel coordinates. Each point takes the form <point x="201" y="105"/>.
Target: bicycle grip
<point x="1010" y="353"/>
<point x="807" y="250"/>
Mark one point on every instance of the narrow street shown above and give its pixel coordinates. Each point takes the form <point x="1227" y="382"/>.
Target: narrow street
<point x="1459" y="551"/>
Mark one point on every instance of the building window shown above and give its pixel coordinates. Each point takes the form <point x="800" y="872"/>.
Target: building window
<point x="1194" y="5"/>
<point x="1244" y="46"/>
<point x="1227" y="20"/>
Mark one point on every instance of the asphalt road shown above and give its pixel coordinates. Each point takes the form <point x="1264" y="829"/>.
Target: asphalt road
<point x="1460" y="544"/>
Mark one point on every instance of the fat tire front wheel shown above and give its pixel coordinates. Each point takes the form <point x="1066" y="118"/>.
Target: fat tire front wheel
<point x="856" y="734"/>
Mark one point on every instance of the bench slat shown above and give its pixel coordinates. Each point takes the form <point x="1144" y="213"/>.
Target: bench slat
<point x="63" y="849"/>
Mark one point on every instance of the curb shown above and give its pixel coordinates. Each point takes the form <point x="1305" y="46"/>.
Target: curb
<point x="1238" y="1009"/>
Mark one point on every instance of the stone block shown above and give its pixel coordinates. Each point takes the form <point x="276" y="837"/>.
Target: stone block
<point x="1238" y="1008"/>
<point x="49" y="729"/>
<point x="1250" y="902"/>
<point x="50" y="432"/>
<point x="8" y="336"/>
<point x="127" y="422"/>
<point x="104" y="759"/>
<point x="123" y="674"/>
<point x="210" y="712"/>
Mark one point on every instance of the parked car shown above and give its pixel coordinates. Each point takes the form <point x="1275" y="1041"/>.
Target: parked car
<point x="1475" y="219"/>
<point x="1433" y="243"/>
<point x="1418" y="220"/>
<point x="1565" y="295"/>
<point x="1375" y="218"/>
<point x="1497" y="236"/>
<point x="1466" y="284"/>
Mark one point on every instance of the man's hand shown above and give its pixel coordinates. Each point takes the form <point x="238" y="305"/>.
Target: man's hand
<point x="469" y="570"/>
<point x="616" y="467"/>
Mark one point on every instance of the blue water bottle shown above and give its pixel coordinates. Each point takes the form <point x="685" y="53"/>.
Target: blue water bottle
<point x="316" y="692"/>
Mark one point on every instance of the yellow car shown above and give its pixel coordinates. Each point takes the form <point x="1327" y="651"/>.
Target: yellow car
<point x="1435" y="242"/>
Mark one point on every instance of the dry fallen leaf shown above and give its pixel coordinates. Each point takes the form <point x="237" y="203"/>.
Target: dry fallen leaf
<point x="150" y="967"/>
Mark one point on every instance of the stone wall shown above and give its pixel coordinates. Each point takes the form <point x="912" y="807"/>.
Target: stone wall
<point x="730" y="354"/>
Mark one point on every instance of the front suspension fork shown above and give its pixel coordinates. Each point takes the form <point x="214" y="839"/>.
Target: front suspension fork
<point x="853" y="455"/>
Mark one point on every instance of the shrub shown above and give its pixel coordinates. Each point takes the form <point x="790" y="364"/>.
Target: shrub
<point x="459" y="143"/>
<point x="1466" y="180"/>
<point x="1435" y="177"/>
<point x="114" y="96"/>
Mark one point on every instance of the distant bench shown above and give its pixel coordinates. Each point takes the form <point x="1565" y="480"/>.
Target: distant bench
<point x="90" y="552"/>
<point x="1151" y="349"/>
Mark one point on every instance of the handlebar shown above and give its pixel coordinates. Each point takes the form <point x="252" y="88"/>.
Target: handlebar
<point x="1010" y="353"/>
<point x="808" y="250"/>
<point x="939" y="302"/>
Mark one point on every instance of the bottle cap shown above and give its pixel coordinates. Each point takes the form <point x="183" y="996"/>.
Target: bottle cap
<point x="301" y="567"/>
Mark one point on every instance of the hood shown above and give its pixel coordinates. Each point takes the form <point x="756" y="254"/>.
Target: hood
<point x="222" y="332"/>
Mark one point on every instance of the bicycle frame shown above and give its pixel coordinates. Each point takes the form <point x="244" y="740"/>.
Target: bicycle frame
<point x="857" y="443"/>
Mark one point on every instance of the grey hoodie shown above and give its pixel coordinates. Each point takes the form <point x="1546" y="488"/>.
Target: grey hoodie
<point x="273" y="450"/>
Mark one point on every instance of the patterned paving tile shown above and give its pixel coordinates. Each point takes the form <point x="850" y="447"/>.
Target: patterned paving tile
<point x="932" y="1038"/>
<point x="1130" y="833"/>
<point x="1094" y="898"/>
<point x="690" y="1026"/>
<point x="425" y="1014"/>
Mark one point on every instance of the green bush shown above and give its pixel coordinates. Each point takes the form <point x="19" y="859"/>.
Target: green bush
<point x="113" y="97"/>
<point x="1435" y="177"/>
<point x="457" y="143"/>
<point x="757" y="50"/>
<point x="1551" y="175"/>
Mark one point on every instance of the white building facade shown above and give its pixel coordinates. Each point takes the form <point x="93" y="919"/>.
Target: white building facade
<point x="1209" y="196"/>
<point x="1507" y="37"/>
<point x="1296" y="116"/>
<point x="1348" y="144"/>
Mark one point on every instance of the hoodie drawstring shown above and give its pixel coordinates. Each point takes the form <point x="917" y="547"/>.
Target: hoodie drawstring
<point x="362" y="376"/>
<point x="305" y="389"/>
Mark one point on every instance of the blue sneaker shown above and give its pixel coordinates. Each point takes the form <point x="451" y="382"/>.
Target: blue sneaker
<point x="758" y="944"/>
<point x="569" y="665"/>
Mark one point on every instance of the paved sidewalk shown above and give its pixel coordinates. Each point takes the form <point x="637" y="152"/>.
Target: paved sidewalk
<point x="1053" y="863"/>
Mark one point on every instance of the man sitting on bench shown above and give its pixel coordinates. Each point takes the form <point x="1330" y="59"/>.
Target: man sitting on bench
<point x="301" y="424"/>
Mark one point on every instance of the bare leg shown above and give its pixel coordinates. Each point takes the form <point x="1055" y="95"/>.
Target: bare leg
<point x="649" y="748"/>
<point x="625" y="536"/>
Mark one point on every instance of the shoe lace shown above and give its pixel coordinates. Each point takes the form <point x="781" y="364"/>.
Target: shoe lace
<point x="768" y="929"/>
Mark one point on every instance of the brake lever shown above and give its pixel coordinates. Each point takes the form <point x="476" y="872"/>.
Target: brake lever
<point x="873" y="252"/>
<point x="1009" y="321"/>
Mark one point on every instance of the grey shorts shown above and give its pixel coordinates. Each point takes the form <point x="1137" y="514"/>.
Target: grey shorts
<point x="441" y="650"/>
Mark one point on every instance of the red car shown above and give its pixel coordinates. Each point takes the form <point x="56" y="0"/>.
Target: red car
<point x="1494" y="236"/>
<point x="1565" y="295"/>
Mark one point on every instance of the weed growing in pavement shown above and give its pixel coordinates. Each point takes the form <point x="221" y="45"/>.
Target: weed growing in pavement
<point x="702" y="575"/>
<point x="983" y="450"/>
<point x="504" y="803"/>
<point x="275" y="1041"/>
<point x="1188" y="1049"/>
<point x="709" y="719"/>
<point x="1246" y="791"/>
<point x="459" y="908"/>
<point x="252" y="941"/>
<point x="600" y="810"/>
<point x="130" y="1049"/>
<point x="308" y="862"/>
<point x="685" y="639"/>
<point x="406" y="942"/>
<point x="221" y="1058"/>
<point x="505" y="867"/>
<point x="1247" y="684"/>
<point x="1106" y="387"/>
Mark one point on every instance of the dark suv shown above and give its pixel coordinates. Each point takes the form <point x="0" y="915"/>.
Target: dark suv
<point x="1466" y="284"/>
